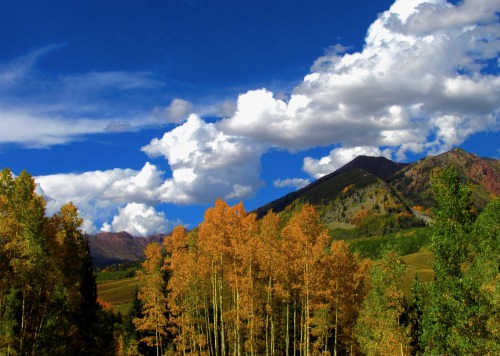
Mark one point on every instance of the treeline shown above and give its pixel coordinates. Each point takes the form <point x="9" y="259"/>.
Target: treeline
<point x="48" y="298"/>
<point x="238" y="285"/>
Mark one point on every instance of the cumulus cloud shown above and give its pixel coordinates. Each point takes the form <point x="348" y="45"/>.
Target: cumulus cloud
<point x="418" y="85"/>
<point x="422" y="64"/>
<point x="97" y="194"/>
<point x="425" y="80"/>
<point x="139" y="220"/>
<point x="338" y="157"/>
<point x="297" y="183"/>
<point x="139" y="187"/>
<point x="206" y="164"/>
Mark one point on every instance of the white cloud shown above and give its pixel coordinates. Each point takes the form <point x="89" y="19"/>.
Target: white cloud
<point x="297" y="183"/>
<point x="139" y="220"/>
<point x="97" y="194"/>
<point x="36" y="131"/>
<point x="38" y="111"/>
<point x="206" y="163"/>
<point x="338" y="157"/>
<point x="420" y="84"/>
<point x="140" y="187"/>
<point x="422" y="61"/>
<point x="176" y="112"/>
<point x="416" y="86"/>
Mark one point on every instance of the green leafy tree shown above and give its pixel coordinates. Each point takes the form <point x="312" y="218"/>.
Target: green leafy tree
<point x="379" y="328"/>
<point x="444" y="319"/>
<point x="482" y="283"/>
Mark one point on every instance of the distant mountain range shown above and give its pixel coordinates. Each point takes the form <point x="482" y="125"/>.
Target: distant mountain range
<point x="371" y="195"/>
<point x="109" y="248"/>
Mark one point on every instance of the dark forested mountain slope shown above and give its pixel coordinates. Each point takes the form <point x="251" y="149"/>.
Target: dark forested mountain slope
<point x="360" y="172"/>
<point x="370" y="187"/>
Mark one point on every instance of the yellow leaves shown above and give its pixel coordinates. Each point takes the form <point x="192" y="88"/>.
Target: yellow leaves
<point x="152" y="296"/>
<point x="236" y="279"/>
<point x="154" y="258"/>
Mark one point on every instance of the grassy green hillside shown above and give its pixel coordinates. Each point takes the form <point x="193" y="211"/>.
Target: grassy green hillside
<point x="119" y="293"/>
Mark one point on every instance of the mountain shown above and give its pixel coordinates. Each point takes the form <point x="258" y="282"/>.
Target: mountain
<point x="109" y="248"/>
<point x="361" y="171"/>
<point x="412" y="183"/>
<point x="377" y="195"/>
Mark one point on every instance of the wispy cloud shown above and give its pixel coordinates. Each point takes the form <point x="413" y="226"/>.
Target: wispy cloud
<point x="15" y="72"/>
<point x="297" y="183"/>
<point x="113" y="80"/>
<point x="64" y="108"/>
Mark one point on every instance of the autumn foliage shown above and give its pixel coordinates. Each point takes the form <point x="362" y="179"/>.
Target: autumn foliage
<point x="48" y="297"/>
<point x="239" y="285"/>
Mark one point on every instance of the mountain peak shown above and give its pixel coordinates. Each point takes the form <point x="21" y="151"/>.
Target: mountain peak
<point x="360" y="169"/>
<point x="380" y="167"/>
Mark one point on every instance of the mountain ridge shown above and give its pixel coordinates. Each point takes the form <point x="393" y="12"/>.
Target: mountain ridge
<point x="120" y="247"/>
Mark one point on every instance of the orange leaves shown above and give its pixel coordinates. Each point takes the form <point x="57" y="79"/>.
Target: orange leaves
<point x="105" y="305"/>
<point x="242" y="286"/>
<point x="360" y="215"/>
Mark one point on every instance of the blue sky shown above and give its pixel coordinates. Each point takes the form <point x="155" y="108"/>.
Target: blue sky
<point x="143" y="113"/>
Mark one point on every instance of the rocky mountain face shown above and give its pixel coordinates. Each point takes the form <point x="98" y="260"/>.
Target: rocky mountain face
<point x="413" y="182"/>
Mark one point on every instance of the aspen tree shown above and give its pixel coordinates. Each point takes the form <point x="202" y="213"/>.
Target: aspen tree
<point x="269" y="254"/>
<point x="345" y="290"/>
<point x="152" y="296"/>
<point x="306" y="240"/>
<point x="378" y="328"/>
<point x="213" y="243"/>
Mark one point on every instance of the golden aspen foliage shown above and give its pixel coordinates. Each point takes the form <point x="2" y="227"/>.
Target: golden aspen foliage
<point x="152" y="296"/>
